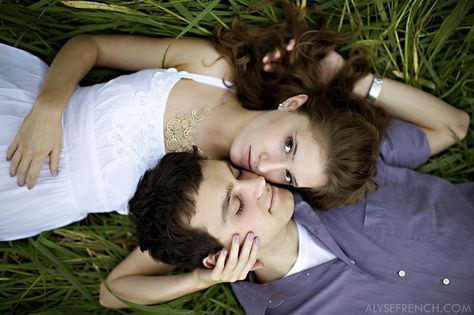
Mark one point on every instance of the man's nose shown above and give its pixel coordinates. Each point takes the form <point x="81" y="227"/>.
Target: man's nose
<point x="254" y="185"/>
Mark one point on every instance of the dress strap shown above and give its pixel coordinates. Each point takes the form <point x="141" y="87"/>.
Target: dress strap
<point x="205" y="79"/>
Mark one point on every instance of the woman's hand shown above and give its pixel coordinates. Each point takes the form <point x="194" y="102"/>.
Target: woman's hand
<point x="38" y="137"/>
<point x="330" y="64"/>
<point x="236" y="266"/>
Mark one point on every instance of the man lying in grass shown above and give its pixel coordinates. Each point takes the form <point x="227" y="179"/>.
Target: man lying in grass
<point x="408" y="243"/>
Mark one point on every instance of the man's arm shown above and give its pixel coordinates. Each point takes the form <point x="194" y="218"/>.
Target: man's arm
<point x="142" y="280"/>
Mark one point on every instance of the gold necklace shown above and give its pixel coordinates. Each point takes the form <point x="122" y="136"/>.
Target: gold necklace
<point x="181" y="130"/>
<point x="180" y="133"/>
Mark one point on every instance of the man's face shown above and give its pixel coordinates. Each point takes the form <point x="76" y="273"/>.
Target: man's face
<point x="232" y="202"/>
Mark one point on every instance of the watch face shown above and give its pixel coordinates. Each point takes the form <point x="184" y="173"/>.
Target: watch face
<point x="375" y="89"/>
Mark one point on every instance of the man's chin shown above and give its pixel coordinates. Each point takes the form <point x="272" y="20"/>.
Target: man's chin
<point x="286" y="201"/>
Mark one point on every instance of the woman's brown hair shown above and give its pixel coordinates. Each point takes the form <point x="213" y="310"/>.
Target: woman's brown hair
<point x="351" y="129"/>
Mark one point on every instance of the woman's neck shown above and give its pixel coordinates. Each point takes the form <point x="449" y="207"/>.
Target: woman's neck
<point x="280" y="255"/>
<point x="221" y="127"/>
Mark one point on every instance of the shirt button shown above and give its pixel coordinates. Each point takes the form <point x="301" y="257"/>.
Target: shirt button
<point x="401" y="273"/>
<point x="270" y="301"/>
<point x="445" y="281"/>
<point x="353" y="262"/>
<point x="307" y="273"/>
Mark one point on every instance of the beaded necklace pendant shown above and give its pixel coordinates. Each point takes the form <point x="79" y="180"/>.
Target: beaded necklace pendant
<point x="181" y="131"/>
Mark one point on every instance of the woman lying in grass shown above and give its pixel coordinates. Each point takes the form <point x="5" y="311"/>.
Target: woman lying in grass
<point x="105" y="136"/>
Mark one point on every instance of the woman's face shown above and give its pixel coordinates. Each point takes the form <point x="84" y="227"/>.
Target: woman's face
<point x="280" y="145"/>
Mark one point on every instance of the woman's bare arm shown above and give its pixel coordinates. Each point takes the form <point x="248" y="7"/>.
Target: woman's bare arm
<point x="442" y="123"/>
<point x="40" y="132"/>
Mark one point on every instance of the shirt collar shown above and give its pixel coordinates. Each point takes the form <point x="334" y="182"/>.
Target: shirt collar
<point x="310" y="219"/>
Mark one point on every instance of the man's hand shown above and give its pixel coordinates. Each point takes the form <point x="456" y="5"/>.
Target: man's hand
<point x="236" y="266"/>
<point x="38" y="137"/>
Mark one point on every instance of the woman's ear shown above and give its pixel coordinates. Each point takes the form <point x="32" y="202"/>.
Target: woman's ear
<point x="294" y="102"/>
<point x="210" y="261"/>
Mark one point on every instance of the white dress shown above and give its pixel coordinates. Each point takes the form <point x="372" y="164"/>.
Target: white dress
<point x="112" y="133"/>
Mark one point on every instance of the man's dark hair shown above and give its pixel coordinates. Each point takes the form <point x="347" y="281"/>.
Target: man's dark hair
<point x="162" y="207"/>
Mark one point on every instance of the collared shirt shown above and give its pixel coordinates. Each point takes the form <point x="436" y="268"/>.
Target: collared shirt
<point x="406" y="248"/>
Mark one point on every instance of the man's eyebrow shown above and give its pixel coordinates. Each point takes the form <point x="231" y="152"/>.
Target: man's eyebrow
<point x="226" y="202"/>
<point x="294" y="153"/>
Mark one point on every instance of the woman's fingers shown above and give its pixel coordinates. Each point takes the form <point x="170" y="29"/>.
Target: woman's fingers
<point x="232" y="260"/>
<point x="15" y="161"/>
<point x="33" y="172"/>
<point x="12" y="149"/>
<point x="220" y="261"/>
<point x="240" y="262"/>
<point x="39" y="136"/>
<point x="275" y="56"/>
<point x="23" y="169"/>
<point x="248" y="256"/>
<point x="253" y="263"/>
<point x="54" y="161"/>
<point x="291" y="45"/>
<point x="27" y="168"/>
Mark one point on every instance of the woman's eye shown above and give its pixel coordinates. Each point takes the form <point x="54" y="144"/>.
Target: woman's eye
<point x="288" y="145"/>
<point x="288" y="177"/>
<point x="241" y="207"/>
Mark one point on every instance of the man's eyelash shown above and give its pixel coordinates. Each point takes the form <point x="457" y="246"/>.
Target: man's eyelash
<point x="241" y="207"/>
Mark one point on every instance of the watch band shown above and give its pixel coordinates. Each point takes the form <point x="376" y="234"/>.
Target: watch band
<point x="375" y="88"/>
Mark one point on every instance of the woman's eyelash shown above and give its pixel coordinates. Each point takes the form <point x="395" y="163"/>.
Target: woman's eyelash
<point x="289" y="144"/>
<point x="288" y="177"/>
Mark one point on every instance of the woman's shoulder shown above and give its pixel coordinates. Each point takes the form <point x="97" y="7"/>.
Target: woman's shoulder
<point x="200" y="57"/>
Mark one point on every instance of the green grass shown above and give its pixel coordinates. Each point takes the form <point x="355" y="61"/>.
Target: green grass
<point x="426" y="43"/>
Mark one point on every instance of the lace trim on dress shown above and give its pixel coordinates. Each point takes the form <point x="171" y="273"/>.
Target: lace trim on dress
<point x="137" y="131"/>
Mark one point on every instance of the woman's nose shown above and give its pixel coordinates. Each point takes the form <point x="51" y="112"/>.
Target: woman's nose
<point x="267" y="164"/>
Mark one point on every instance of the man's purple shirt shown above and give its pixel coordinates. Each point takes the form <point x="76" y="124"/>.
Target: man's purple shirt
<point x="407" y="248"/>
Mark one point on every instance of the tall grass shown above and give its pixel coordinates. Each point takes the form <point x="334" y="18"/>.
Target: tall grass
<point x="425" y="43"/>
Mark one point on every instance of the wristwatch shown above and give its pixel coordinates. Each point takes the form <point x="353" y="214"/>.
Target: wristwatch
<point x="375" y="88"/>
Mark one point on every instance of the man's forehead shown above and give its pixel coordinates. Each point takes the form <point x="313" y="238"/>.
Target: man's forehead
<point x="211" y="194"/>
<point x="215" y="169"/>
<point x="216" y="177"/>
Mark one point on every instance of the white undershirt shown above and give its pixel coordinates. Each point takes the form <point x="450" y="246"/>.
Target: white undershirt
<point x="310" y="254"/>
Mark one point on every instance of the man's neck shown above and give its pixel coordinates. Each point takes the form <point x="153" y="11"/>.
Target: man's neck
<point x="279" y="256"/>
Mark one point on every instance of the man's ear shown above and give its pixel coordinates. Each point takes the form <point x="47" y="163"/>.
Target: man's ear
<point x="294" y="102"/>
<point x="210" y="261"/>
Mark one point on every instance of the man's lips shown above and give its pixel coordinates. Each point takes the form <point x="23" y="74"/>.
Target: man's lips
<point x="272" y="197"/>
